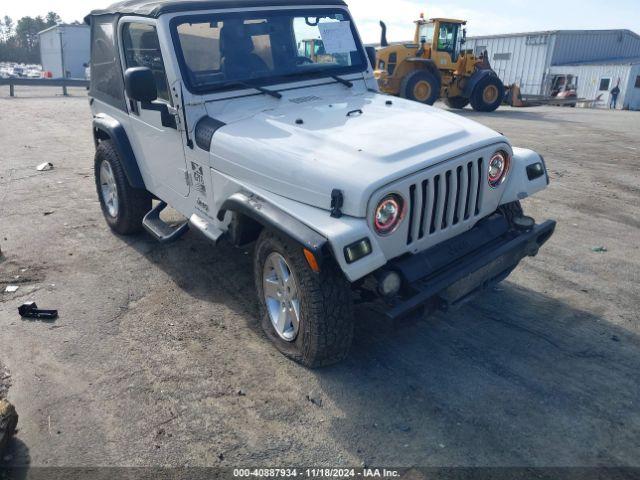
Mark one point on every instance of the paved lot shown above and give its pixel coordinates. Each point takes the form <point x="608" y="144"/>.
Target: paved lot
<point x="157" y="358"/>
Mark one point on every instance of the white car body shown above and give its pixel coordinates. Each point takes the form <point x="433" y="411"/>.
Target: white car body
<point x="262" y="150"/>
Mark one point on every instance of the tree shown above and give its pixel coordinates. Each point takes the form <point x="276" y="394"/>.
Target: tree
<point x="52" y="19"/>
<point x="6" y="28"/>
<point x="20" y="42"/>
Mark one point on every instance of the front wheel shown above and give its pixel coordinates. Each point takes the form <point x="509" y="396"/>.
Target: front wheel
<point x="488" y="94"/>
<point x="421" y="86"/>
<point x="308" y="316"/>
<point x="123" y="206"/>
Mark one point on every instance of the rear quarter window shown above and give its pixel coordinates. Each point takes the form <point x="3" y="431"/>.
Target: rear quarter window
<point x="107" y="83"/>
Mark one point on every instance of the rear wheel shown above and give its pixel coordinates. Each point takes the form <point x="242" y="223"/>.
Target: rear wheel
<point x="457" y="102"/>
<point x="488" y="94"/>
<point x="308" y="316"/>
<point x="421" y="86"/>
<point x="123" y="206"/>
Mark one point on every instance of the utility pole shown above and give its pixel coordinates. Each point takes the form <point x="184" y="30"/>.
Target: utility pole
<point x="64" y="69"/>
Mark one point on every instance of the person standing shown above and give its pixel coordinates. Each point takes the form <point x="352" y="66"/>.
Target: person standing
<point x="614" y="97"/>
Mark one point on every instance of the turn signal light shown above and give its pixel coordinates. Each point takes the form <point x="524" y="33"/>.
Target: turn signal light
<point x="358" y="250"/>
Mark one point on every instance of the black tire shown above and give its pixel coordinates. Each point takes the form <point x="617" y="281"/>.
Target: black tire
<point x="488" y="94"/>
<point x="412" y="83"/>
<point x="457" y="103"/>
<point x="326" y="325"/>
<point x="133" y="204"/>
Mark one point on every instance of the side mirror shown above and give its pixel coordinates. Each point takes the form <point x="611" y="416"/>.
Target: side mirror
<point x="140" y="84"/>
<point x="371" y="53"/>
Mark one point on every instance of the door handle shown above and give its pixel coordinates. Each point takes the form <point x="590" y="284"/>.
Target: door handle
<point x="168" y="118"/>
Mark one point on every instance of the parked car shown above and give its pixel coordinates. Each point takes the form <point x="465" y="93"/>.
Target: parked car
<point x="210" y="107"/>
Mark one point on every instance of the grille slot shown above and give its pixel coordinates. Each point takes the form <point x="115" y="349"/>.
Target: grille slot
<point x="445" y="200"/>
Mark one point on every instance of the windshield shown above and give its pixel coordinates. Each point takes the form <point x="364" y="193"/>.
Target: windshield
<point x="426" y="32"/>
<point x="223" y="50"/>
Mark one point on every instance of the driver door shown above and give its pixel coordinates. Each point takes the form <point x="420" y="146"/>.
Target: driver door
<point x="447" y="45"/>
<point x="160" y="147"/>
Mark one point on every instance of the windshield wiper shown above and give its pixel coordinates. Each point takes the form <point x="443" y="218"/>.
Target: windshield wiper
<point x="341" y="80"/>
<point x="266" y="91"/>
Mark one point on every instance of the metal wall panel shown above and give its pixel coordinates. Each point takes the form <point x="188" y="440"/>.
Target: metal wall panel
<point x="632" y="93"/>
<point x="529" y="58"/>
<point x="589" y="46"/>
<point x="50" y="52"/>
<point x="77" y="49"/>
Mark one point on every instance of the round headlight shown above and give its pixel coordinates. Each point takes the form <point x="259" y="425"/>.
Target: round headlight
<point x="498" y="168"/>
<point x="389" y="214"/>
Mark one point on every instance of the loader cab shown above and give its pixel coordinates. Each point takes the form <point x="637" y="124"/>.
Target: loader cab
<point x="443" y="37"/>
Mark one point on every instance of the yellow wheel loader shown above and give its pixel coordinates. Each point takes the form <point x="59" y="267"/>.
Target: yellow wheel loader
<point x="436" y="65"/>
<point x="313" y="48"/>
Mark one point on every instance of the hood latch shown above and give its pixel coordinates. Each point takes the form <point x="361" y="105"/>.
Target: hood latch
<point x="337" y="202"/>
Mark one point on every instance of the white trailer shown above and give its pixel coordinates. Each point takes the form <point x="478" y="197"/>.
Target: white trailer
<point x="67" y="45"/>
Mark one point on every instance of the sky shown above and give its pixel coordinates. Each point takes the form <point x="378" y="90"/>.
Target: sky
<point x="486" y="17"/>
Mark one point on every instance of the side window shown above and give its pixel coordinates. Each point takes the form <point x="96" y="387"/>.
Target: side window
<point x="605" y="83"/>
<point x="393" y="61"/>
<point x="426" y="32"/>
<point x="142" y="49"/>
<point x="106" y="73"/>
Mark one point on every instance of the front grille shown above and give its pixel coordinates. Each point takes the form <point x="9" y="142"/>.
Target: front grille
<point x="445" y="200"/>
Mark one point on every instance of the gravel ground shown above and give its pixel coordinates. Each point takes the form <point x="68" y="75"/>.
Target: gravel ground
<point x="157" y="358"/>
<point x="5" y="381"/>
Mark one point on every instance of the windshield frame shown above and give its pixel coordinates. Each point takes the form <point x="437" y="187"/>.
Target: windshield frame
<point x="221" y="15"/>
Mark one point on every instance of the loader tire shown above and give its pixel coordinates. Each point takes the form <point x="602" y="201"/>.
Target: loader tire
<point x="322" y="303"/>
<point x="421" y="86"/>
<point x="488" y="94"/>
<point x="123" y="206"/>
<point x="457" y="103"/>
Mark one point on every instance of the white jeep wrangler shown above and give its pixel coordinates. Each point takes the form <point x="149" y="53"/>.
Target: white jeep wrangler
<point x="213" y="107"/>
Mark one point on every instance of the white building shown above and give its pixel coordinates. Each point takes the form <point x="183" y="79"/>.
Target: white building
<point x="595" y="80"/>
<point x="532" y="60"/>
<point x="65" y="43"/>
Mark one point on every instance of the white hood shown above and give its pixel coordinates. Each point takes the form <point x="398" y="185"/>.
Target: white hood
<point x="359" y="153"/>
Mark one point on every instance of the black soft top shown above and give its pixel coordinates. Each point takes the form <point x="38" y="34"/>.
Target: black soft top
<point x="155" y="8"/>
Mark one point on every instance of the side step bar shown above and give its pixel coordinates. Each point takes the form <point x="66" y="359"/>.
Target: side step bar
<point x="161" y="231"/>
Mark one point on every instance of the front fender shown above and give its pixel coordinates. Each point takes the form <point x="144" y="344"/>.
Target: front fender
<point x="474" y="80"/>
<point x="523" y="180"/>
<point x="108" y="128"/>
<point x="272" y="217"/>
<point x="333" y="233"/>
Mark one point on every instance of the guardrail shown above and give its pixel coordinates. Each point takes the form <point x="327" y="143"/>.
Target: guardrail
<point x="43" y="82"/>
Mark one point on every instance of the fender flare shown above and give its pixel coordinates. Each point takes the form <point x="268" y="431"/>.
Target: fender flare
<point x="476" y="78"/>
<point x="105" y="127"/>
<point x="429" y="64"/>
<point x="270" y="216"/>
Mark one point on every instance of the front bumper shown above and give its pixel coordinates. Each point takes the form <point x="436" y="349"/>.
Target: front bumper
<point x="452" y="272"/>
